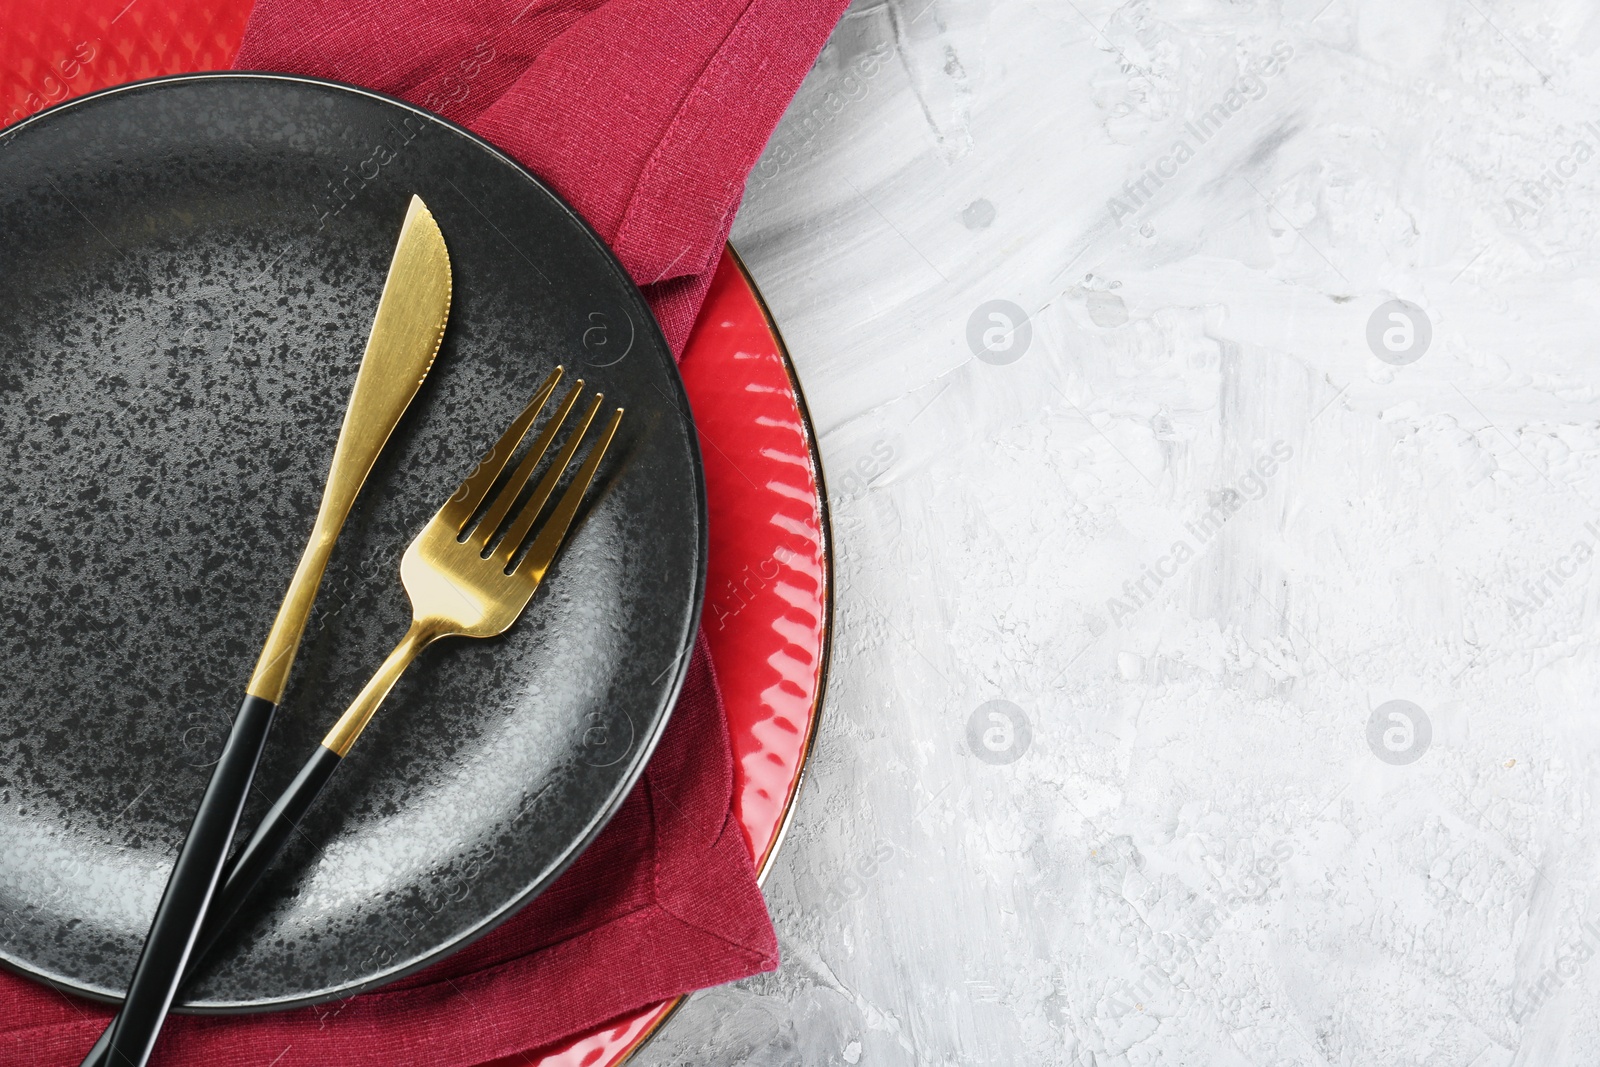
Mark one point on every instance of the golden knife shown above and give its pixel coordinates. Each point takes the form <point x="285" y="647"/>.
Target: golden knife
<point x="400" y="350"/>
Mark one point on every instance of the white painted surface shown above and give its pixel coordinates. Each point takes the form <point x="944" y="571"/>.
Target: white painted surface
<point x="1204" y="855"/>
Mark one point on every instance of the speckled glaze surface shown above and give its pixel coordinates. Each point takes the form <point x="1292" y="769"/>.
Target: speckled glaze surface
<point x="187" y="273"/>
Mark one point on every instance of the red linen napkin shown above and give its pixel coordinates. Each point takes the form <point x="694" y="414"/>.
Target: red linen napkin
<point x="647" y="117"/>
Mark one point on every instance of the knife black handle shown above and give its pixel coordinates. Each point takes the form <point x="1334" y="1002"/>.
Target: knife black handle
<point x="245" y="870"/>
<point x="190" y="888"/>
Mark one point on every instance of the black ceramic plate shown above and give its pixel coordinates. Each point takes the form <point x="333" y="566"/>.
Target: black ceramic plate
<point x="188" y="269"/>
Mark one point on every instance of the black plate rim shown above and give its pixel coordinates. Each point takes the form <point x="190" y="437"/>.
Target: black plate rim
<point x="680" y="666"/>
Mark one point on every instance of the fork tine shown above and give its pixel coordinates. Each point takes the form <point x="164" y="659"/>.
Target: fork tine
<point x="517" y="532"/>
<point x="459" y="508"/>
<point x="483" y="533"/>
<point x="548" y="543"/>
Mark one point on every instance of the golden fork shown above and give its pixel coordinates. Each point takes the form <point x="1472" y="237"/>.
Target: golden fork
<point x="464" y="580"/>
<point x="467" y="583"/>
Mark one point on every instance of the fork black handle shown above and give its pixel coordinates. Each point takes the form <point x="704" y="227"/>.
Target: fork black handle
<point x="190" y="888"/>
<point x="245" y="870"/>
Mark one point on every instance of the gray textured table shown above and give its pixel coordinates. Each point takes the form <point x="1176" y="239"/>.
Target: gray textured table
<point x="1209" y="398"/>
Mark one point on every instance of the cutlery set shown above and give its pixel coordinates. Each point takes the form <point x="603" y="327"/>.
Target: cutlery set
<point x="470" y="572"/>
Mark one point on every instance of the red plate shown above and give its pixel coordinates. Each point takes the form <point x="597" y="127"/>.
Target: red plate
<point x="768" y="586"/>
